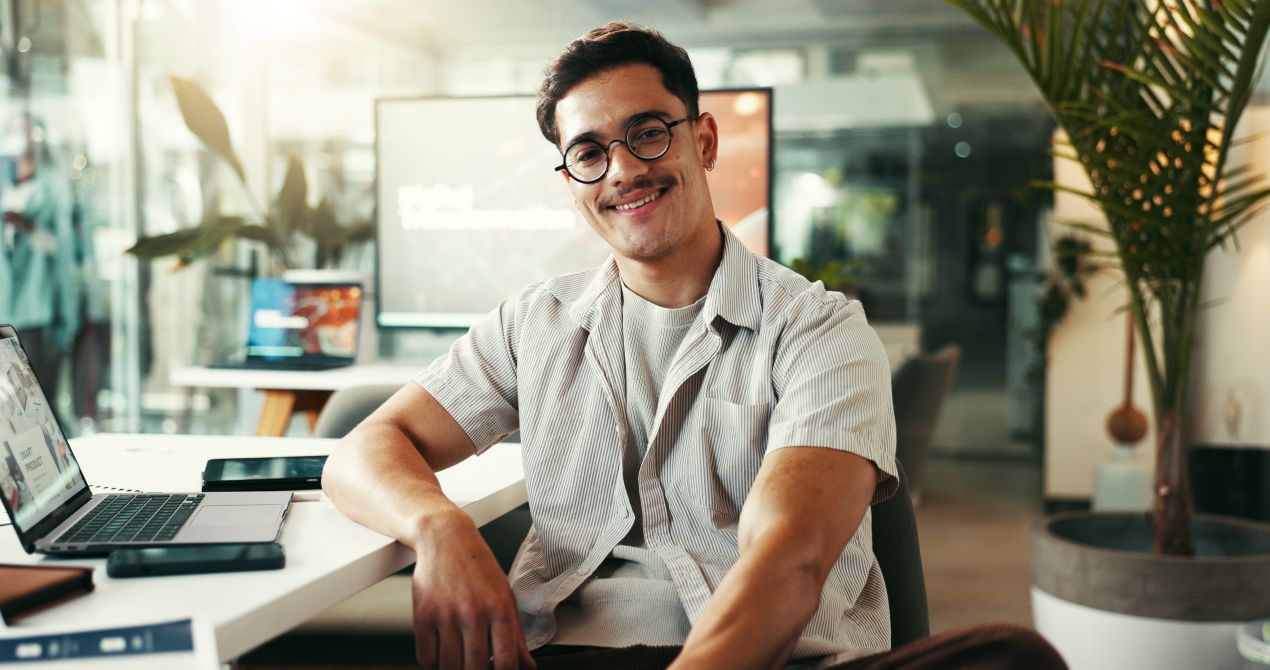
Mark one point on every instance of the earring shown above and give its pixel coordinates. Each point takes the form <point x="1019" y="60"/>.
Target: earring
<point x="710" y="165"/>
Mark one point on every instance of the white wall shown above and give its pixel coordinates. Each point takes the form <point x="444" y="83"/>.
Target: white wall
<point x="1230" y="378"/>
<point x="1230" y="394"/>
<point x="1085" y="378"/>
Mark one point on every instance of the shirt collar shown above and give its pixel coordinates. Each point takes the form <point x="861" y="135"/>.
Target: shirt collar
<point x="733" y="295"/>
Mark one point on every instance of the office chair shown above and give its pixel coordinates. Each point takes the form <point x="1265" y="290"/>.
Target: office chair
<point x="918" y="389"/>
<point x="899" y="555"/>
<point x="347" y="407"/>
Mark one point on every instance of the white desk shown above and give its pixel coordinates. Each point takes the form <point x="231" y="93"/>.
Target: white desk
<point x="290" y="391"/>
<point x="329" y="557"/>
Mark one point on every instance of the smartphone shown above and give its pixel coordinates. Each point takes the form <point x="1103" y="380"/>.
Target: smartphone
<point x="195" y="558"/>
<point x="270" y="473"/>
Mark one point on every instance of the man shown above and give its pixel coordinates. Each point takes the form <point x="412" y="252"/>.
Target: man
<point x="703" y="430"/>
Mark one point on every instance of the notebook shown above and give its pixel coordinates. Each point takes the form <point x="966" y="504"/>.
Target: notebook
<point x="26" y="588"/>
<point x="301" y="325"/>
<point x="53" y="510"/>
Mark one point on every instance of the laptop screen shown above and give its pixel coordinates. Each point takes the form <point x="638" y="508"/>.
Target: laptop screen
<point x="303" y="322"/>
<point x="38" y="473"/>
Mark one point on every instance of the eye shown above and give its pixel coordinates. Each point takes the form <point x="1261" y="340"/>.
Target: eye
<point x="585" y="154"/>
<point x="650" y="134"/>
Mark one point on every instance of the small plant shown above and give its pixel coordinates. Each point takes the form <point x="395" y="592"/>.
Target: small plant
<point x="289" y="215"/>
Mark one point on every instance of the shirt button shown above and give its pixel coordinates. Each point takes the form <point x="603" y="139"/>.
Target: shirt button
<point x="582" y="571"/>
<point x="617" y="428"/>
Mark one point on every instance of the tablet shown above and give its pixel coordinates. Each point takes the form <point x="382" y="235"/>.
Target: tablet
<point x="270" y="473"/>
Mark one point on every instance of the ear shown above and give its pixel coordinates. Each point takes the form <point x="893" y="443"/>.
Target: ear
<point x="565" y="174"/>
<point x="707" y="138"/>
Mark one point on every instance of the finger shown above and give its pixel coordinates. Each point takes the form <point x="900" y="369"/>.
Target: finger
<point x="449" y="648"/>
<point x="527" y="661"/>
<point x="476" y="646"/>
<point x="426" y="645"/>
<point x="522" y="647"/>
<point x="503" y="633"/>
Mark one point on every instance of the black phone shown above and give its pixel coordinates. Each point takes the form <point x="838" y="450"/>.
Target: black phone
<point x="195" y="558"/>
<point x="269" y="473"/>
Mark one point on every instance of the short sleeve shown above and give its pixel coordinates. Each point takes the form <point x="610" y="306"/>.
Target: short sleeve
<point x="476" y="380"/>
<point x="833" y="385"/>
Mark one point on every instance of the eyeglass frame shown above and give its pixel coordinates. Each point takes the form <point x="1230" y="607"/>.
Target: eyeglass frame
<point x="624" y="141"/>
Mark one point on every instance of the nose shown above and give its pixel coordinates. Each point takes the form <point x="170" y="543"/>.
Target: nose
<point x="624" y="165"/>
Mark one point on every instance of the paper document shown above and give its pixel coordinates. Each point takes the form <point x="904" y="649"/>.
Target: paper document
<point x="177" y="645"/>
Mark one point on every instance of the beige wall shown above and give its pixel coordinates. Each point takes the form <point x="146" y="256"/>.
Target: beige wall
<point x="1085" y="378"/>
<point x="1230" y="396"/>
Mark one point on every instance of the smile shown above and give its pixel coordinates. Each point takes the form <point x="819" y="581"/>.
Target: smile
<point x="625" y="207"/>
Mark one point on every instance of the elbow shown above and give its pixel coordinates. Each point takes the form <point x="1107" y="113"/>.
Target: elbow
<point x="333" y="469"/>
<point x="801" y="551"/>
<point x="341" y="462"/>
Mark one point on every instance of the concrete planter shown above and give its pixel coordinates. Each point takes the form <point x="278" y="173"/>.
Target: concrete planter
<point x="1104" y="601"/>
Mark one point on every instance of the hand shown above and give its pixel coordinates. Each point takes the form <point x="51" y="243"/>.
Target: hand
<point x="18" y="221"/>
<point x="464" y="611"/>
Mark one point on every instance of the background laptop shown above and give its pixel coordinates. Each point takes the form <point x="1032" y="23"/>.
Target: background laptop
<point x="53" y="510"/>
<point x="301" y="325"/>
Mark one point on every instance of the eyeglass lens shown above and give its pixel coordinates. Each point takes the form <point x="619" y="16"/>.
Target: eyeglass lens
<point x="648" y="138"/>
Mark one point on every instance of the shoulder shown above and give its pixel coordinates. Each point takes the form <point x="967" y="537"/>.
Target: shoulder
<point x="549" y="299"/>
<point x="789" y="297"/>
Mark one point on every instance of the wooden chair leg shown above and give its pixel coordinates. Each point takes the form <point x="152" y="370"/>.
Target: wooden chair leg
<point x="275" y="414"/>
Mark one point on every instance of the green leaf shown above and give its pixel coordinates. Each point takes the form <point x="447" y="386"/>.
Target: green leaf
<point x="361" y="232"/>
<point x="326" y="232"/>
<point x="263" y="234"/>
<point x="293" y="210"/>
<point x="210" y="237"/>
<point x="158" y="246"/>
<point x="205" y="120"/>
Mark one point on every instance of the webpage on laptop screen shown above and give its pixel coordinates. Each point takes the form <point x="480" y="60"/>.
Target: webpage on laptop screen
<point x="37" y="470"/>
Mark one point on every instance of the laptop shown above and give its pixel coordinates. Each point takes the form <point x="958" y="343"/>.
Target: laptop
<point x="53" y="511"/>
<point x="301" y="325"/>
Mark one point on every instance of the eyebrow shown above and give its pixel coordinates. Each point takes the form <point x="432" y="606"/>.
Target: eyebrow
<point x="594" y="136"/>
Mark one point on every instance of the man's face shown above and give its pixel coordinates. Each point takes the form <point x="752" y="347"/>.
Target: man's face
<point x="678" y="209"/>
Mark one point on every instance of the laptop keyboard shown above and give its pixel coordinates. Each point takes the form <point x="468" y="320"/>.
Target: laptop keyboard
<point x="133" y="518"/>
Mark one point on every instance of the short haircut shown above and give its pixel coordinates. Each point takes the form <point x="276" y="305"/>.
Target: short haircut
<point x="605" y="48"/>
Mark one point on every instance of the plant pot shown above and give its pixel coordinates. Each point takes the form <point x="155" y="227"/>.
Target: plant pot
<point x="1105" y="601"/>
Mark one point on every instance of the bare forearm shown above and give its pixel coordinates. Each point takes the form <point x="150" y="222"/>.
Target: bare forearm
<point x="378" y="478"/>
<point x="755" y="617"/>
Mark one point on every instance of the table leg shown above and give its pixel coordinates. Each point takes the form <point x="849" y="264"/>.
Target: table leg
<point x="275" y="414"/>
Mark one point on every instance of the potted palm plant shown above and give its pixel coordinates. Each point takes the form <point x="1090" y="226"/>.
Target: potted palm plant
<point x="289" y="215"/>
<point x="1149" y="94"/>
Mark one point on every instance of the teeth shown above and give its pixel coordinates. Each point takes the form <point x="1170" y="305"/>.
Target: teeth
<point x="638" y="203"/>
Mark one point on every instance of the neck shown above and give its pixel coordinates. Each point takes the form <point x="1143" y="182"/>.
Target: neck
<point x="680" y="278"/>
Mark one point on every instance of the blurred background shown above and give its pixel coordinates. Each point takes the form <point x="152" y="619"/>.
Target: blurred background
<point x="904" y="140"/>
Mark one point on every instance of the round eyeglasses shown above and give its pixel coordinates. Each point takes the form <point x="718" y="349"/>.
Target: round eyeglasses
<point x="647" y="138"/>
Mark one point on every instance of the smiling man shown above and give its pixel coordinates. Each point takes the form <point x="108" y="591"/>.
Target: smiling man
<point x="703" y="430"/>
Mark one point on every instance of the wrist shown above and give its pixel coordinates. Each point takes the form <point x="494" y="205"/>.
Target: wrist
<point x="439" y="523"/>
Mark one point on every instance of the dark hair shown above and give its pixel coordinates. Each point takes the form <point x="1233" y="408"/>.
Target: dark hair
<point x="605" y="48"/>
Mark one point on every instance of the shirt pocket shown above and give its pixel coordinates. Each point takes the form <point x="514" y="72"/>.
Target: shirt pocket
<point x="733" y="442"/>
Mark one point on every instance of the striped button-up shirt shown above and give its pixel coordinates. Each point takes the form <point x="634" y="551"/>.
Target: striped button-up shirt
<point x="774" y="361"/>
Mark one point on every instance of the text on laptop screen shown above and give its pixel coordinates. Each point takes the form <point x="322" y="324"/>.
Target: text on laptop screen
<point x="303" y="321"/>
<point x="37" y="471"/>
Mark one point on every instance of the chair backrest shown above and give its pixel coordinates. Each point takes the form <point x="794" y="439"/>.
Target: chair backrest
<point x="347" y="407"/>
<point x="918" y="389"/>
<point x="900" y="556"/>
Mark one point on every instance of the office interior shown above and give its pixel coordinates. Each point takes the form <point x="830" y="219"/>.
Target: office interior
<point x="905" y="144"/>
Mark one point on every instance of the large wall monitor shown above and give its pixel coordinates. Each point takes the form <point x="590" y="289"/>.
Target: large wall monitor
<point x="469" y="209"/>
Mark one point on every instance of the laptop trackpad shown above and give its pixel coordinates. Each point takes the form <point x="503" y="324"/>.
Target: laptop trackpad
<point x="232" y="515"/>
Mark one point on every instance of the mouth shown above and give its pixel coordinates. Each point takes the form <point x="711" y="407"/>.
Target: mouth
<point x="641" y="204"/>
